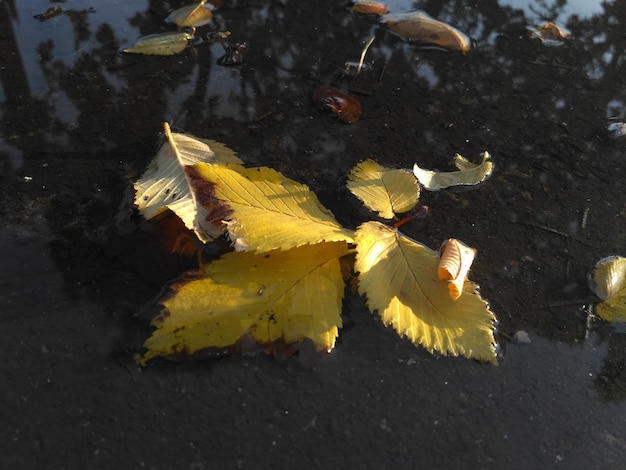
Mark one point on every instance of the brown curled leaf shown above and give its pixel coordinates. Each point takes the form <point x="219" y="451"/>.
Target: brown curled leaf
<point x="346" y="107"/>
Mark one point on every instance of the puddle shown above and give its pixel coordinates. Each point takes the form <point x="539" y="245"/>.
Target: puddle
<point x="80" y="122"/>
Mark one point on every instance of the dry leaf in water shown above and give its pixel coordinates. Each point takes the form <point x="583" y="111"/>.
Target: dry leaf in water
<point x="264" y="210"/>
<point x="399" y="278"/>
<point x="468" y="174"/>
<point x="364" y="7"/>
<point x="276" y="297"/>
<point x="549" y="33"/>
<point x="417" y="26"/>
<point x="162" y="43"/>
<point x="454" y="264"/>
<point x="346" y="107"/>
<point x="192" y="15"/>
<point x="383" y="190"/>
<point x="609" y="284"/>
<point x="164" y="184"/>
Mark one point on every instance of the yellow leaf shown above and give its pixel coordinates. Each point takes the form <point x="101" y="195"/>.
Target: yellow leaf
<point x="468" y="174"/>
<point x="286" y="296"/>
<point x="419" y="27"/>
<point x="192" y="15"/>
<point x="399" y="278"/>
<point x="383" y="190"/>
<point x="161" y="44"/>
<point x="164" y="185"/>
<point x="609" y="284"/>
<point x="269" y="210"/>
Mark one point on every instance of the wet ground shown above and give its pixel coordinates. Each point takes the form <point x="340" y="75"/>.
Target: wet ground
<point x="80" y="270"/>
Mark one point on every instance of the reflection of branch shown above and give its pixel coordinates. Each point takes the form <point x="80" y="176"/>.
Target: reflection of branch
<point x="547" y="229"/>
<point x="554" y="64"/>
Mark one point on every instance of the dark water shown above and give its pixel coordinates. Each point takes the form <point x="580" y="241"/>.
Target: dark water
<point x="80" y="269"/>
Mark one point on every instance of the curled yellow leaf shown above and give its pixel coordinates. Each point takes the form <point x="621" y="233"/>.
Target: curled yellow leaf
<point x="468" y="174"/>
<point x="609" y="284"/>
<point x="454" y="264"/>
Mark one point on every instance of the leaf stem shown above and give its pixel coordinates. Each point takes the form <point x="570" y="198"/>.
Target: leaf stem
<point x="418" y="214"/>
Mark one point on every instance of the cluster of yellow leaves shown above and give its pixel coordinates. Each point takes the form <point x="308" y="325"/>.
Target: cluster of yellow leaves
<point x="283" y="284"/>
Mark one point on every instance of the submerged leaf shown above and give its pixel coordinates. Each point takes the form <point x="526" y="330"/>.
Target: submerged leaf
<point x="279" y="296"/>
<point x="609" y="284"/>
<point x="383" y="190"/>
<point x="456" y="259"/>
<point x="346" y="107"/>
<point x="161" y="44"/>
<point x="417" y="26"/>
<point x="399" y="278"/>
<point x="269" y="210"/>
<point x="191" y="15"/>
<point x="468" y="174"/>
<point x="164" y="185"/>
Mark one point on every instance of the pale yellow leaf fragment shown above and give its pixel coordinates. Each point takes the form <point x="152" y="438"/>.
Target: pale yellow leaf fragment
<point x="192" y="15"/>
<point x="169" y="43"/>
<point x="269" y="210"/>
<point x="164" y="184"/>
<point x="286" y="296"/>
<point x="399" y="278"/>
<point x="383" y="190"/>
<point x="468" y="174"/>
<point x="609" y="284"/>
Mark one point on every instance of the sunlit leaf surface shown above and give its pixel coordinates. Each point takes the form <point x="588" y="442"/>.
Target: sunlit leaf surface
<point x="191" y="15"/>
<point x="164" y="185"/>
<point x="279" y="296"/>
<point x="383" y="190"/>
<point x="269" y="210"/>
<point x="468" y="174"/>
<point x="161" y="44"/>
<point x="609" y="284"/>
<point x="399" y="279"/>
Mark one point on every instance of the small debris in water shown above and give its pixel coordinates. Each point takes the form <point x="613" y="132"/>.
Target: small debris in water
<point x="521" y="337"/>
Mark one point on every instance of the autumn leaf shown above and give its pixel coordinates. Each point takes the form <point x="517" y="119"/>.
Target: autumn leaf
<point x="265" y="210"/>
<point x="383" y="190"/>
<point x="417" y="26"/>
<point x="164" y="185"/>
<point x="469" y="174"/>
<point x="169" y="43"/>
<point x="192" y="15"/>
<point x="609" y="284"/>
<point x="279" y="296"/>
<point x="399" y="278"/>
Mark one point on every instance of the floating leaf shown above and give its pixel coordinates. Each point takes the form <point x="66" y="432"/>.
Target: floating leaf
<point x="417" y="26"/>
<point x="364" y="7"/>
<point x="609" y="284"/>
<point x="346" y="107"/>
<point x="399" y="278"/>
<point x="549" y="33"/>
<point x="161" y="44"/>
<point x="269" y="210"/>
<point x="456" y="259"/>
<point x="383" y="190"/>
<point x="279" y="296"/>
<point x="191" y="15"/>
<point x="468" y="174"/>
<point x="164" y="185"/>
